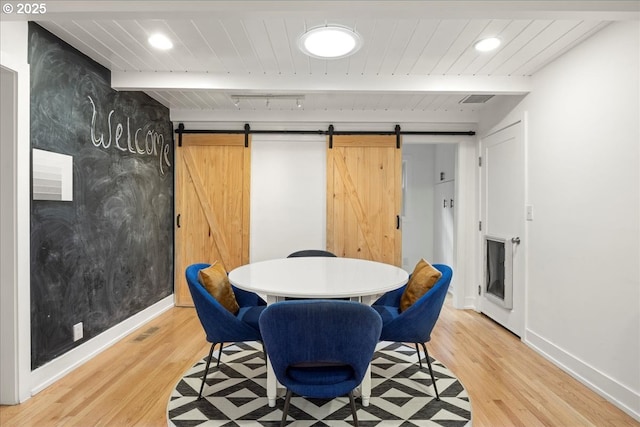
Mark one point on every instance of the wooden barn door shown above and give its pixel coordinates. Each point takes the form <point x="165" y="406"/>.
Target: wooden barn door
<point x="212" y="204"/>
<point x="364" y="198"/>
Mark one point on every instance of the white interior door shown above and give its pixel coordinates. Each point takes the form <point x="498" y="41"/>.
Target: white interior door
<point x="503" y="221"/>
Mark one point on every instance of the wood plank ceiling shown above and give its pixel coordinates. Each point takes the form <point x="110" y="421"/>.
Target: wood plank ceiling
<point x="417" y="57"/>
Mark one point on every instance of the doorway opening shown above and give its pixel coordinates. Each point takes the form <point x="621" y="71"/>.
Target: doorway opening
<point x="428" y="226"/>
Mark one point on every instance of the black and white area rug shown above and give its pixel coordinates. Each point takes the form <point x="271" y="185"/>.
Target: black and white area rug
<point x="401" y="394"/>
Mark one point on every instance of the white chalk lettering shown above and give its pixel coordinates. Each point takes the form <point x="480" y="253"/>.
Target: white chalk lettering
<point x="154" y="144"/>
<point x="138" y="149"/>
<point x="149" y="145"/>
<point x="136" y="138"/>
<point x="166" y="156"/>
<point x="99" y="141"/>
<point x="118" y="135"/>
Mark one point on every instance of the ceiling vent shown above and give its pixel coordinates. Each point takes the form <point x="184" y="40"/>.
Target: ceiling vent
<point x="476" y="99"/>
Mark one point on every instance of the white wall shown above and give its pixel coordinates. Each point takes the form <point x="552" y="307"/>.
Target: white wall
<point x="583" y="158"/>
<point x="445" y="163"/>
<point x="288" y="195"/>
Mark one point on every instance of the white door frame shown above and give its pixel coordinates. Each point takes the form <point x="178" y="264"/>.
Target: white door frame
<point x="8" y="281"/>
<point x="15" y="277"/>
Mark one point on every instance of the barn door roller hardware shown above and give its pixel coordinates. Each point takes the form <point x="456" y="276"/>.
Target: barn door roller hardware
<point x="180" y="131"/>
<point x="330" y="136"/>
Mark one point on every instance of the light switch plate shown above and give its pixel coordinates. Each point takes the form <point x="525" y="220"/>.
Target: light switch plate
<point x="529" y="213"/>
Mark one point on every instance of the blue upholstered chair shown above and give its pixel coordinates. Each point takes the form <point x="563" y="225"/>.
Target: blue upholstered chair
<point x="320" y="348"/>
<point x="310" y="253"/>
<point x="415" y="324"/>
<point x="220" y="325"/>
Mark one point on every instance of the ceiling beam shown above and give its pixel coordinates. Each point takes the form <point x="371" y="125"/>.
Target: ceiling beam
<point x="162" y="81"/>
<point x="321" y="119"/>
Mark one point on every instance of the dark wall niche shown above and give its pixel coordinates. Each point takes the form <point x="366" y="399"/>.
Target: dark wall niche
<point x="107" y="254"/>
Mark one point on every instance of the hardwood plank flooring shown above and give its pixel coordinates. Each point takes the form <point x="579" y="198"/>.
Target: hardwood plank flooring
<point x="129" y="384"/>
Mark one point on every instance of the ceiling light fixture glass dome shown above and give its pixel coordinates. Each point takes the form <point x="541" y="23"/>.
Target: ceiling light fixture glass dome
<point x="330" y="42"/>
<point x="487" y="45"/>
<point x="160" y="41"/>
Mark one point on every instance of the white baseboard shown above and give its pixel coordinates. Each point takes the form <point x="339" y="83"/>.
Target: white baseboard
<point x="46" y="375"/>
<point x="470" y="303"/>
<point x="618" y="394"/>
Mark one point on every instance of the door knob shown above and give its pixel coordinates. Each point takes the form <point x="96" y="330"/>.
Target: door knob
<point x="515" y="240"/>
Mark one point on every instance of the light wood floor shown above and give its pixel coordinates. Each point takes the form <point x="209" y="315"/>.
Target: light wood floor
<point x="129" y="384"/>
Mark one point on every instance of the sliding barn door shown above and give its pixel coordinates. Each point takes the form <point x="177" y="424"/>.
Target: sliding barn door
<point x="363" y="198"/>
<point x="212" y="204"/>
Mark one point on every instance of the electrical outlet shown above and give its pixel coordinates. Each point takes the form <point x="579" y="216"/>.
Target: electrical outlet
<point x="78" y="331"/>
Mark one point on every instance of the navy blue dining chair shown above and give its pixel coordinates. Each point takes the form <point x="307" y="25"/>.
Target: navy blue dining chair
<point x="310" y="253"/>
<point x="220" y="325"/>
<point x="320" y="348"/>
<point x="414" y="325"/>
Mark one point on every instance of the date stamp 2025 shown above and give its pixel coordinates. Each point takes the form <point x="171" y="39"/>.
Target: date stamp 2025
<point x="24" y="8"/>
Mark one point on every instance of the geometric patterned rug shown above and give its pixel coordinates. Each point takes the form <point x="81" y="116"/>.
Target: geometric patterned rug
<point x="401" y="394"/>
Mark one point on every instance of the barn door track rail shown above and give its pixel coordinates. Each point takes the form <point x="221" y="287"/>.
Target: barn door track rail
<point x="330" y="132"/>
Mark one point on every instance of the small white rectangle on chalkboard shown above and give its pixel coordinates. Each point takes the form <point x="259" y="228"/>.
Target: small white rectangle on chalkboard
<point x="52" y="176"/>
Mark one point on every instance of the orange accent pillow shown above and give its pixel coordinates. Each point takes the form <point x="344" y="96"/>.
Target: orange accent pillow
<point x="422" y="279"/>
<point x="215" y="281"/>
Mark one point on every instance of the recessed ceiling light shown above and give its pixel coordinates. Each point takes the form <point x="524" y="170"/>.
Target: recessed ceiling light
<point x="160" y="41"/>
<point x="488" y="44"/>
<point x="330" y="42"/>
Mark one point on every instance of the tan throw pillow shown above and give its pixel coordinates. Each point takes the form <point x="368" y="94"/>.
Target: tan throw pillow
<point x="215" y="281"/>
<point x="423" y="278"/>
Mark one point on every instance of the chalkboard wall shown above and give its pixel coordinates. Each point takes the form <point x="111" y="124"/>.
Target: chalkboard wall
<point x="108" y="253"/>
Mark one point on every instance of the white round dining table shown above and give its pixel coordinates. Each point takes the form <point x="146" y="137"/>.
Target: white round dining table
<point x="317" y="277"/>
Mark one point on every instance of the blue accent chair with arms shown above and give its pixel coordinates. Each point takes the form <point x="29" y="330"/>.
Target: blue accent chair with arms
<point x="320" y="348"/>
<point x="414" y="325"/>
<point x="220" y="325"/>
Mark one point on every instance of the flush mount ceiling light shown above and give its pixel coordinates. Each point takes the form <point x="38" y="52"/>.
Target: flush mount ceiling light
<point x="487" y="45"/>
<point x="160" y="41"/>
<point x="330" y="42"/>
